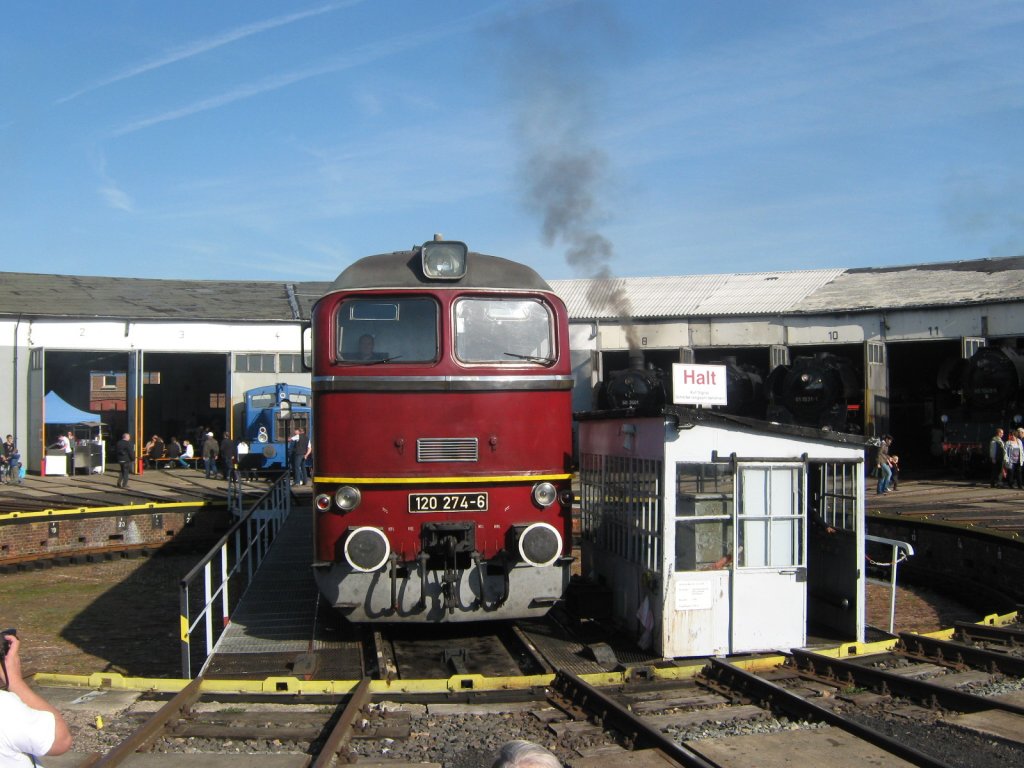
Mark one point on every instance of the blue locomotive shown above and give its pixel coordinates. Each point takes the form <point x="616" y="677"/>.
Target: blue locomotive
<point x="269" y="417"/>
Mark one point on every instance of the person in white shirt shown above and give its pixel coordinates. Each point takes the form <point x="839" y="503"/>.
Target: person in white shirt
<point x="29" y="726"/>
<point x="187" y="453"/>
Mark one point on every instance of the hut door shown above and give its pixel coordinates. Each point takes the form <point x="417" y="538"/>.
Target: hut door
<point x="769" y="588"/>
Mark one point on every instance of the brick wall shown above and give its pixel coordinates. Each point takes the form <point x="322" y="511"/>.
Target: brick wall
<point x="73" y="534"/>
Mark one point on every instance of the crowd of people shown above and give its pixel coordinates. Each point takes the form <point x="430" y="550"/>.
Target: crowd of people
<point x="1006" y="457"/>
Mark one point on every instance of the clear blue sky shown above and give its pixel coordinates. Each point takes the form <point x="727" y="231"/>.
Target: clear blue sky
<point x="270" y="140"/>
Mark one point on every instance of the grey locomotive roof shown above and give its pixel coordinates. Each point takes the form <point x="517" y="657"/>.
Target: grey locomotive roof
<point x="30" y="295"/>
<point x="402" y="270"/>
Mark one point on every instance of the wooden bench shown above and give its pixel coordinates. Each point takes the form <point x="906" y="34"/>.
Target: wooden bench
<point x="164" y="462"/>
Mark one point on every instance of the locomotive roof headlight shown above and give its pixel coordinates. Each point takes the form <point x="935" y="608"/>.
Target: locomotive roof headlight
<point x="366" y="549"/>
<point x="539" y="544"/>
<point x="323" y="502"/>
<point x="347" y="498"/>
<point x="444" y="259"/>
<point x="544" y="494"/>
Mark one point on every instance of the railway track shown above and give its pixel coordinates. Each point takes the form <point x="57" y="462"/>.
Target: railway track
<point x="322" y="735"/>
<point x="921" y="704"/>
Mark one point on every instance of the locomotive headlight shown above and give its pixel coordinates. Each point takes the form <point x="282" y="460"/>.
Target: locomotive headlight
<point x="444" y="259"/>
<point x="544" y="494"/>
<point x="347" y="498"/>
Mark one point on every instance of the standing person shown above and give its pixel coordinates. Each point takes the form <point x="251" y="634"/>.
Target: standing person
<point x="996" y="455"/>
<point x="882" y="462"/>
<point x="69" y="452"/>
<point x="124" y="454"/>
<point x="228" y="457"/>
<point x="30" y="726"/>
<point x="1013" y="460"/>
<point x="211" y="450"/>
<point x="186" y="455"/>
<point x="301" y="449"/>
<point x="894" y="467"/>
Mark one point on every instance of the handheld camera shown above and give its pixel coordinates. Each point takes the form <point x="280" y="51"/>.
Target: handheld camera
<point x="6" y="642"/>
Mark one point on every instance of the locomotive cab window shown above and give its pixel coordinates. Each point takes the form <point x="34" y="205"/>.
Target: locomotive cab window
<point x="503" y="330"/>
<point x="382" y="330"/>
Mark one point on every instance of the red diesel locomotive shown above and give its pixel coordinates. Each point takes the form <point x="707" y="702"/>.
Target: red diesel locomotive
<point x="443" y="438"/>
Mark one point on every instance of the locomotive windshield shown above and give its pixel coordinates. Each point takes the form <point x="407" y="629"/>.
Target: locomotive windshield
<point x="384" y="329"/>
<point x="503" y="330"/>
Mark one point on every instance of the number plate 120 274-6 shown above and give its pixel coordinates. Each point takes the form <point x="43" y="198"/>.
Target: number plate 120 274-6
<point x="447" y="502"/>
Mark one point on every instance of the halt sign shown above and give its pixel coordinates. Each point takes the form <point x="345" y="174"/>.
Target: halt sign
<point x="699" y="384"/>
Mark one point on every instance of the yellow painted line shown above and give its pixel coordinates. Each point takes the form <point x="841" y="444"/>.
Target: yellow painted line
<point x="37" y="514"/>
<point x="455" y="684"/>
<point x="435" y="480"/>
<point x="184" y="628"/>
<point x="293" y="685"/>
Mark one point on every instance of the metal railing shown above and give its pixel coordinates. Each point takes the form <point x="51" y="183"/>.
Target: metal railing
<point x="239" y="553"/>
<point x="900" y="551"/>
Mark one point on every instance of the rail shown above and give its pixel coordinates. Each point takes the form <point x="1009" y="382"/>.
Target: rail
<point x="900" y="551"/>
<point x="240" y="553"/>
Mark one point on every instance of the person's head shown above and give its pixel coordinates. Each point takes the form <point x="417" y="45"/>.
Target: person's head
<point x="365" y="346"/>
<point x="10" y="438"/>
<point x="999" y="431"/>
<point x="226" y="436"/>
<point x="895" y="459"/>
<point x="126" y="436"/>
<point x="185" y="442"/>
<point x="525" y="754"/>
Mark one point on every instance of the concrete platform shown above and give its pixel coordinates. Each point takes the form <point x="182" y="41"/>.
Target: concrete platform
<point x="93" y="491"/>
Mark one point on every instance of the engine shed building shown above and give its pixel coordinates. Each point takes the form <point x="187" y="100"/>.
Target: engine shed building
<point x="167" y="356"/>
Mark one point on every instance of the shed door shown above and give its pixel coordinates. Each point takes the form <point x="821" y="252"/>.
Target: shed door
<point x="769" y="605"/>
<point x="134" y="406"/>
<point x="32" y="445"/>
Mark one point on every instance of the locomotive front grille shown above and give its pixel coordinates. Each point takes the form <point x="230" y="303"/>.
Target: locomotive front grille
<point x="447" y="449"/>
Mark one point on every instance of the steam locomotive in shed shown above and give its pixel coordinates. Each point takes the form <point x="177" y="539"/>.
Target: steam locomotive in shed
<point x="980" y="393"/>
<point x="646" y="388"/>
<point x="442" y="432"/>
<point x="823" y="391"/>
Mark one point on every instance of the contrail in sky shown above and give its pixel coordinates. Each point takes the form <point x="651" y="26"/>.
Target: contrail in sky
<point x="210" y="43"/>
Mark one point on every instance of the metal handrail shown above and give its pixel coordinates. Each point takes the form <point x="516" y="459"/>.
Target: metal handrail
<point x="895" y="559"/>
<point x="244" y="546"/>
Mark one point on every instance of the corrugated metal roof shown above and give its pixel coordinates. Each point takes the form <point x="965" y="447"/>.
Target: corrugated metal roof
<point x="752" y="293"/>
<point x="919" y="285"/>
